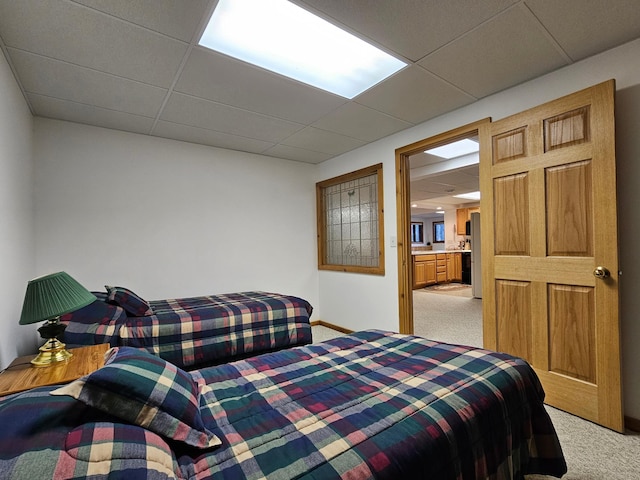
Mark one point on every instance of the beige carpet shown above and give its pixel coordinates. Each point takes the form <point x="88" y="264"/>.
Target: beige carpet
<point x="455" y="289"/>
<point x="446" y="317"/>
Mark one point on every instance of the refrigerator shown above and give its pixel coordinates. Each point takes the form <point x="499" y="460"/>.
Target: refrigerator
<point x="476" y="261"/>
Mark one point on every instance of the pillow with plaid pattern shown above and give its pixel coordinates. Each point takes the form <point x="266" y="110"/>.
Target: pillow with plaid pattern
<point x="132" y="303"/>
<point x="145" y="390"/>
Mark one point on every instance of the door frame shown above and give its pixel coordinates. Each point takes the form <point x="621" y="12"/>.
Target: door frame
<point x="403" y="207"/>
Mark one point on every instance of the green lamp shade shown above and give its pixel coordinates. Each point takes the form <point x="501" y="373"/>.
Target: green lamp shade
<point x="53" y="295"/>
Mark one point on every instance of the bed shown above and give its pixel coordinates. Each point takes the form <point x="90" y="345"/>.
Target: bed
<point x="193" y="331"/>
<point x="372" y="404"/>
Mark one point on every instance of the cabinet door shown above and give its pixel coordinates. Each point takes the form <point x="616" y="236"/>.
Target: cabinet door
<point x="430" y="271"/>
<point x="461" y="220"/>
<point x="449" y="267"/>
<point x="457" y="267"/>
<point x="462" y="215"/>
<point x="441" y="268"/>
<point x="471" y="210"/>
<point x="419" y="274"/>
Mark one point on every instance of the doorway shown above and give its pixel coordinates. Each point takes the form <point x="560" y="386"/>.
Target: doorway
<point x="414" y="156"/>
<point x="551" y="286"/>
<point x="444" y="190"/>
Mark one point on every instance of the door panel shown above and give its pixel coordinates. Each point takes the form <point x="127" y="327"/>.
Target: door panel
<point x="549" y="219"/>
<point x="513" y="312"/>
<point x="572" y="326"/>
<point x="511" y="197"/>
<point x="569" y="210"/>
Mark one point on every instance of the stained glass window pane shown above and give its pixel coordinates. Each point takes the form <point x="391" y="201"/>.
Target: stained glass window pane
<point x="350" y="233"/>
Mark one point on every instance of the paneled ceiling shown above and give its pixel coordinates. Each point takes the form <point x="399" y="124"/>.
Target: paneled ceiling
<point x="136" y="66"/>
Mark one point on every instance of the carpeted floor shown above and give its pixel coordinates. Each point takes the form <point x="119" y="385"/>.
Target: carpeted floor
<point x="455" y="289"/>
<point x="591" y="452"/>
<point x="448" y="318"/>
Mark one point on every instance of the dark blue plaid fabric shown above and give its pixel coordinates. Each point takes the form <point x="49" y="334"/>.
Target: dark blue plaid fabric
<point x="145" y="390"/>
<point x="372" y="405"/>
<point x="199" y="330"/>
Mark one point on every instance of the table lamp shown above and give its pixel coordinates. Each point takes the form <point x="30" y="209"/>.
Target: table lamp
<point x="47" y="298"/>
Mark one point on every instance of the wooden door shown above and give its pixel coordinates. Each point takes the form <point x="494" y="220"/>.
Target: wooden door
<point x="549" y="213"/>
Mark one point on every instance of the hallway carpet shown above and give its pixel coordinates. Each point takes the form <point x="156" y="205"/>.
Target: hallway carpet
<point x="447" y="318"/>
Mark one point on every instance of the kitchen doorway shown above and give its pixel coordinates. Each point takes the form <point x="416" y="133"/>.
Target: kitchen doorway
<point x="426" y="180"/>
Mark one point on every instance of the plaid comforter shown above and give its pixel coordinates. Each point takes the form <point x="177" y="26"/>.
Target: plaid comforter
<point x="199" y="330"/>
<point x="367" y="405"/>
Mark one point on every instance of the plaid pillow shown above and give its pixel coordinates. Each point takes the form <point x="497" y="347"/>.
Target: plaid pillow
<point x="145" y="390"/>
<point x="128" y="300"/>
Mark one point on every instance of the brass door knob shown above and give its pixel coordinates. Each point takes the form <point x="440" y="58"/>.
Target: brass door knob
<point x="601" y="273"/>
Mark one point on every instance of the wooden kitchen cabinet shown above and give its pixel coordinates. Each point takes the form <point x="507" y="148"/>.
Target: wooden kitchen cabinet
<point x="419" y="273"/>
<point x="424" y="270"/>
<point x="462" y="215"/>
<point x="430" y="270"/>
<point x="441" y="268"/>
<point x="461" y="221"/>
<point x="457" y="267"/>
<point x="436" y="268"/>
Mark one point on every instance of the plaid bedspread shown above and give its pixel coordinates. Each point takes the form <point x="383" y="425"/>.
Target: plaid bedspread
<point x="367" y="405"/>
<point x="200" y="330"/>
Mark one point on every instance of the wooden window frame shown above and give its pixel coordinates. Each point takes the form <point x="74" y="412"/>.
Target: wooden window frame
<point x="434" y="226"/>
<point x="322" y="228"/>
<point x="421" y="240"/>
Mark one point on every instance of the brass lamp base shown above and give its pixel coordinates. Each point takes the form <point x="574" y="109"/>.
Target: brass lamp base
<point x="51" y="352"/>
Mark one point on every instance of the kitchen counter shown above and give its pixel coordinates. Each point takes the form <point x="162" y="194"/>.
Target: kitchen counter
<point x="433" y="252"/>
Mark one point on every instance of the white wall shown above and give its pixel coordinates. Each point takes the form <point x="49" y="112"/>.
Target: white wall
<point x="361" y="301"/>
<point x="16" y="217"/>
<point x="171" y="219"/>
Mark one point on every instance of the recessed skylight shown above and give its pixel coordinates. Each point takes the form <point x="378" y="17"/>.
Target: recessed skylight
<point x="469" y="196"/>
<point x="284" y="38"/>
<point x="455" y="149"/>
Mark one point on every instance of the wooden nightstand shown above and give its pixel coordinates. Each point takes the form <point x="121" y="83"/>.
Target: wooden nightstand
<point x="21" y="375"/>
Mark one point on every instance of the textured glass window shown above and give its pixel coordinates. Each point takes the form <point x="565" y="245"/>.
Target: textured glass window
<point x="417" y="232"/>
<point x="350" y="222"/>
<point x="438" y="231"/>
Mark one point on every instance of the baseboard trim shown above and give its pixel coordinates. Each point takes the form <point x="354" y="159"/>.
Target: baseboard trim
<point x="331" y="326"/>
<point x="632" y="424"/>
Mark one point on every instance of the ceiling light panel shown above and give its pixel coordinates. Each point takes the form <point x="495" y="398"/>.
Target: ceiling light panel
<point x="455" y="149"/>
<point x="284" y="38"/>
<point x="469" y="196"/>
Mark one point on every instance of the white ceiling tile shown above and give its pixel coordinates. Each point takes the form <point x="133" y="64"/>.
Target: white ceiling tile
<point x="322" y="141"/>
<point x="361" y="122"/>
<point x="203" y="136"/>
<point x="412" y="28"/>
<point x="414" y="95"/>
<point x="452" y="182"/>
<point x="505" y="51"/>
<point x="76" y="34"/>
<point x="222" y="118"/>
<point x="298" y="154"/>
<point x="65" y="81"/>
<point x="216" y="77"/>
<point x="586" y="27"/>
<point x="102" y="56"/>
<point x="176" y="18"/>
<point x="88" y="114"/>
